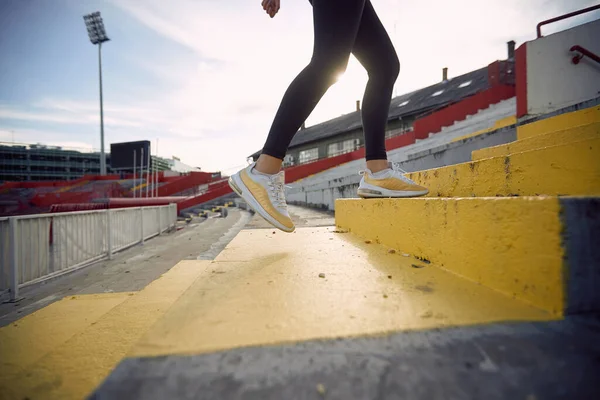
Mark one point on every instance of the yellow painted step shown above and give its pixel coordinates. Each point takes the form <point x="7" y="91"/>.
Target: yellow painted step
<point x="26" y="341"/>
<point x="515" y="245"/>
<point x="570" y="169"/>
<point x="559" y="123"/>
<point x="267" y="288"/>
<point x="557" y="138"/>
<point x="72" y="367"/>
<point x="501" y="123"/>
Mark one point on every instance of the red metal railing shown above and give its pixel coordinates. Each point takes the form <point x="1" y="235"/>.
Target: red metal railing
<point x="583" y="52"/>
<point x="565" y="16"/>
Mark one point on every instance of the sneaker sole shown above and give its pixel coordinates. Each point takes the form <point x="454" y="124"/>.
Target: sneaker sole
<point x="241" y="190"/>
<point x="377" y="193"/>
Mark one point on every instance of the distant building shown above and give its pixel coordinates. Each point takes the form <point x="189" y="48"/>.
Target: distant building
<point x="345" y="134"/>
<point x="176" y="165"/>
<point x="37" y="162"/>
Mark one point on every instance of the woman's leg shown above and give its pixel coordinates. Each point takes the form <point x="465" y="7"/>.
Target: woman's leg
<point x="375" y="51"/>
<point x="336" y="23"/>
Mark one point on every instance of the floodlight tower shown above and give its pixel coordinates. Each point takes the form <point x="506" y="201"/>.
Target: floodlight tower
<point x="97" y="34"/>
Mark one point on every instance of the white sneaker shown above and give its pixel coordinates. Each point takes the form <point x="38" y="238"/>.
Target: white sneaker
<point x="265" y="194"/>
<point x="389" y="183"/>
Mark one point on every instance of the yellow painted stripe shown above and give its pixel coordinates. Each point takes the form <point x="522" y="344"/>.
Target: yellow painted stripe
<point x="501" y="123"/>
<point x="29" y="339"/>
<point x="570" y="169"/>
<point x="74" y="368"/>
<point x="265" y="288"/>
<point x="66" y="188"/>
<point x="512" y="245"/>
<point x="559" y="122"/>
<point x="140" y="186"/>
<point x="584" y="132"/>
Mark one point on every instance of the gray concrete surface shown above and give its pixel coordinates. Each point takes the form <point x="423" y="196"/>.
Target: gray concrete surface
<point x="580" y="236"/>
<point x="526" y="361"/>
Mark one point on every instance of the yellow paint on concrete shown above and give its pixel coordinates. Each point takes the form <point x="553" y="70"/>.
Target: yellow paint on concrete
<point x="569" y="169"/>
<point x="66" y="188"/>
<point x="24" y="342"/>
<point x="512" y="245"/>
<point x="264" y="288"/>
<point x="73" y="368"/>
<point x="501" y="123"/>
<point x="140" y="186"/>
<point x="557" y="138"/>
<point x="559" y="123"/>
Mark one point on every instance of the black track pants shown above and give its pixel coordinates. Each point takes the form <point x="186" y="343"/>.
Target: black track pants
<point x="341" y="27"/>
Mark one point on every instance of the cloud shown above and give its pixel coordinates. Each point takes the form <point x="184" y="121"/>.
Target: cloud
<point x="48" y="137"/>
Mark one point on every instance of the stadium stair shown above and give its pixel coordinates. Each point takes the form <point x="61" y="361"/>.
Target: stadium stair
<point x="521" y="223"/>
<point x="499" y="244"/>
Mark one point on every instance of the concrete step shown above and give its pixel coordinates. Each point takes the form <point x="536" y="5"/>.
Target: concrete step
<point x="559" y="123"/>
<point x="501" y="123"/>
<point x="540" y="250"/>
<point x="268" y="287"/>
<point x="63" y="351"/>
<point x="557" y="138"/>
<point x="569" y="169"/>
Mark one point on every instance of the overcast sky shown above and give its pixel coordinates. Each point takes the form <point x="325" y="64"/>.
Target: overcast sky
<point x="205" y="77"/>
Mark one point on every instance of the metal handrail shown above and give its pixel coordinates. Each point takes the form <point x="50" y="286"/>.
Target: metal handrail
<point x="583" y="52"/>
<point x="565" y="16"/>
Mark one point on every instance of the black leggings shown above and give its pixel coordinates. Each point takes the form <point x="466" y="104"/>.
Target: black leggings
<point x="341" y="27"/>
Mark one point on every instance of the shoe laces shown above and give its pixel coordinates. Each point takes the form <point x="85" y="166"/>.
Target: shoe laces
<point x="277" y="186"/>
<point x="399" y="173"/>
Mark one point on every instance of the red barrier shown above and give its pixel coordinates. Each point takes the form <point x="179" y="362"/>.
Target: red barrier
<point x="400" y="141"/>
<point x="143" y="202"/>
<point x="447" y="116"/>
<point x="61" y="208"/>
<point x="302" y="171"/>
<point x="521" y="70"/>
<point x="216" y="192"/>
<point x="184" y="183"/>
<point x="48" y="199"/>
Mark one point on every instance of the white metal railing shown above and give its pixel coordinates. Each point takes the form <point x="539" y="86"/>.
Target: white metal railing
<point x="34" y="248"/>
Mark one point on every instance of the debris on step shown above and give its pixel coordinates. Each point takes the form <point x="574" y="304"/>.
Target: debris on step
<point x="321" y="389"/>
<point x="321" y="275"/>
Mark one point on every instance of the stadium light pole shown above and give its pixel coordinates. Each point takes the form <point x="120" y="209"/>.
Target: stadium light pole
<point x="97" y="34"/>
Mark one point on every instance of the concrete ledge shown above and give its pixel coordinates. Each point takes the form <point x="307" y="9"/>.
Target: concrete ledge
<point x="584" y="132"/>
<point x="570" y="169"/>
<point x="559" y="122"/>
<point x="524" y="247"/>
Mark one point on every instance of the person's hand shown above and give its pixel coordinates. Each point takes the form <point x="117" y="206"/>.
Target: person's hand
<point x="271" y="7"/>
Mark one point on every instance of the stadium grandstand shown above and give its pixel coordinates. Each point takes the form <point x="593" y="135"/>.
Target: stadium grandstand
<point x="487" y="287"/>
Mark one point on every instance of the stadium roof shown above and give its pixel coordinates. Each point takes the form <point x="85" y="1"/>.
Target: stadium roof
<point x="414" y="103"/>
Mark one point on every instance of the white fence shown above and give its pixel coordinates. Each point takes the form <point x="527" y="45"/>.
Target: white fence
<point x="34" y="248"/>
